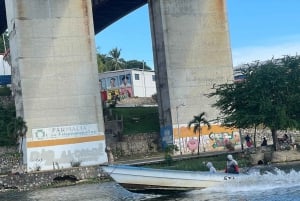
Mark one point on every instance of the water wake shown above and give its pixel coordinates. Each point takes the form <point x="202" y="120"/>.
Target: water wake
<point x="256" y="180"/>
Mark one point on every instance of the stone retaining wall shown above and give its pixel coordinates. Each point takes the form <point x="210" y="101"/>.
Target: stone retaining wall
<point x="32" y="180"/>
<point x="9" y="159"/>
<point x="129" y="145"/>
<point x="126" y="146"/>
<point x="266" y="156"/>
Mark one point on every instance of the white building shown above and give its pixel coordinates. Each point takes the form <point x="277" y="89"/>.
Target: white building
<point x="127" y="83"/>
<point x="5" y="71"/>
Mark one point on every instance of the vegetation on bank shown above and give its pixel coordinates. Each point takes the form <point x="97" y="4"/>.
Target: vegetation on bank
<point x="113" y="61"/>
<point x="268" y="96"/>
<point x="12" y="128"/>
<point x="7" y="117"/>
<point x="193" y="163"/>
<point x="4" y="42"/>
<point x="137" y="119"/>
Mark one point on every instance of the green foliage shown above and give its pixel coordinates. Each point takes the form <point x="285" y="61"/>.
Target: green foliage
<point x="7" y="115"/>
<point x="134" y="64"/>
<point x="113" y="61"/>
<point x="101" y="63"/>
<point x="4" y="44"/>
<point x="5" y="91"/>
<point x="11" y="127"/>
<point x="269" y="96"/>
<point x="168" y="153"/>
<point x="199" y="164"/>
<point x="17" y="129"/>
<point x="138" y="119"/>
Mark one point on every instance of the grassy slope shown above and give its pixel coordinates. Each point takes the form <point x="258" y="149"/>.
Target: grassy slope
<point x="138" y="119"/>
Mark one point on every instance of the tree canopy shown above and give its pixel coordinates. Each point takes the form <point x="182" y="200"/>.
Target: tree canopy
<point x="113" y="61"/>
<point x="269" y="95"/>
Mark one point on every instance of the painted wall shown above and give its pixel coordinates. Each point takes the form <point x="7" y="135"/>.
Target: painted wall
<point x="60" y="146"/>
<point x="214" y="139"/>
<point x="126" y="84"/>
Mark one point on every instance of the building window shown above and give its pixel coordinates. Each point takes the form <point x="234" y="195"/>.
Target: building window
<point x="136" y="76"/>
<point x="153" y="78"/>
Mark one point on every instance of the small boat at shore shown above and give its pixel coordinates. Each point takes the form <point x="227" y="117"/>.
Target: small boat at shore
<point x="161" y="181"/>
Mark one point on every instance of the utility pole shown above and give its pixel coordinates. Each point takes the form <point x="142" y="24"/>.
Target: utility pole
<point x="178" y="129"/>
<point x="144" y="78"/>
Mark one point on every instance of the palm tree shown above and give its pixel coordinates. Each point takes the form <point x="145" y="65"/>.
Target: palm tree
<point x="197" y="122"/>
<point x="116" y="62"/>
<point x="18" y="129"/>
<point x="21" y="130"/>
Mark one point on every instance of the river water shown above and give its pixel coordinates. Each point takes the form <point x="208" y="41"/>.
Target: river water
<point x="267" y="183"/>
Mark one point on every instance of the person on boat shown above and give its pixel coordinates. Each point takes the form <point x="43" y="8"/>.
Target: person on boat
<point x="211" y="168"/>
<point x="231" y="165"/>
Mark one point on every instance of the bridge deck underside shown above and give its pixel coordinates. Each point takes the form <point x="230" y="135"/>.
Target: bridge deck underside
<point x="105" y="12"/>
<point x="3" y="23"/>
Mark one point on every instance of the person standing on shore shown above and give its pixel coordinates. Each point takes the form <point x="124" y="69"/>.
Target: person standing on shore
<point x="264" y="142"/>
<point x="248" y="141"/>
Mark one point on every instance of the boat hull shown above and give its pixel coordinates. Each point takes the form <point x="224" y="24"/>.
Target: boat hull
<point x="148" y="180"/>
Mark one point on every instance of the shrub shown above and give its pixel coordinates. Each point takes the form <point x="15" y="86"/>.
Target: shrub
<point x="75" y="163"/>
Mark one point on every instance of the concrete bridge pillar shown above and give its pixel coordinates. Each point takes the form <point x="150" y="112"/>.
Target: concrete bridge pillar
<point x="192" y="54"/>
<point x="55" y="82"/>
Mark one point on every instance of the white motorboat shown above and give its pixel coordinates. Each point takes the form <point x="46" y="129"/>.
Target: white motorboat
<point x="149" y="180"/>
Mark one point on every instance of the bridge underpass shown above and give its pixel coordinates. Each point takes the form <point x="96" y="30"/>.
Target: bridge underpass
<point x="191" y="53"/>
<point x="105" y="12"/>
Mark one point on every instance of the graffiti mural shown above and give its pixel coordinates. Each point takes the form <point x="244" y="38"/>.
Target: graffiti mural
<point x="116" y="88"/>
<point x="125" y="80"/>
<point x="216" y="139"/>
<point x="112" y="82"/>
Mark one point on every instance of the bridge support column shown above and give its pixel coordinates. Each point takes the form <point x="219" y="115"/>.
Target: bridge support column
<point x="55" y="82"/>
<point x="192" y="54"/>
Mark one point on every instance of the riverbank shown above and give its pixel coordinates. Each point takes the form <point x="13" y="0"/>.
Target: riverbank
<point x="45" y="179"/>
<point x="255" y="157"/>
<point x="94" y="174"/>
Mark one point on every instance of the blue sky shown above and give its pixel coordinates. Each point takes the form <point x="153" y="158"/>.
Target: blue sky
<point x="259" y="30"/>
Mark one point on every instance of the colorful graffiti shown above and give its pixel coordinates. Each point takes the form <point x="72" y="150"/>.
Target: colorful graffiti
<point x="216" y="139"/>
<point x="192" y="145"/>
